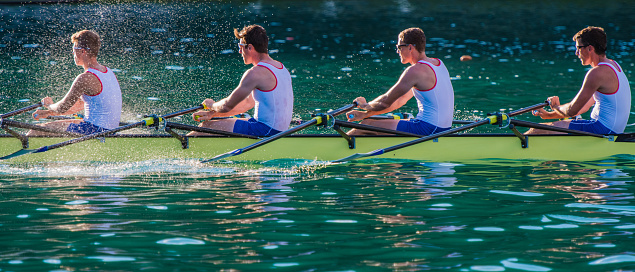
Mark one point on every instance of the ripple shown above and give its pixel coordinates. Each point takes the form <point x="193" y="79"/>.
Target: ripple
<point x="531" y="227"/>
<point x="342" y="221"/>
<point x="614" y="259"/>
<point x="180" y="241"/>
<point x="157" y="207"/>
<point x="285" y="264"/>
<point x="510" y="263"/>
<point x="112" y="258"/>
<point x="530" y="194"/>
<point x="595" y="206"/>
<point x="489" y="229"/>
<point x="487" y="268"/>
<point x="562" y="226"/>
<point x="581" y="219"/>
<point x="76" y="202"/>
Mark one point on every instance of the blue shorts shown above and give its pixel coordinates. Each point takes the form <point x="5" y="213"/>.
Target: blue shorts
<point x="254" y="128"/>
<point x="85" y="128"/>
<point x="417" y="126"/>
<point x="593" y="126"/>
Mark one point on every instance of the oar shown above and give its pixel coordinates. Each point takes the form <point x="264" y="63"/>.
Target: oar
<point x="18" y="111"/>
<point x="316" y="120"/>
<point x="11" y="123"/>
<point x="207" y="130"/>
<point x="145" y="122"/>
<point x="489" y="120"/>
<point x="374" y="128"/>
<point x="389" y="131"/>
<point x="554" y="128"/>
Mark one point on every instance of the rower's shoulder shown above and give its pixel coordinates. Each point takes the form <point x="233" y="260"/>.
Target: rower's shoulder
<point x="602" y="70"/>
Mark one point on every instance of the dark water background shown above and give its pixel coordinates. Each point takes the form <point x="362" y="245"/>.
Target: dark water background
<point x="305" y="216"/>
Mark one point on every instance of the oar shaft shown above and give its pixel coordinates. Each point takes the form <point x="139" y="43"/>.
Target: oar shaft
<point x="374" y="128"/>
<point x="553" y="128"/>
<point x="437" y="135"/>
<point x="462" y="128"/>
<point x="279" y="135"/>
<point x="207" y="130"/>
<point x="18" y="111"/>
<point x="91" y="136"/>
<point x="16" y="124"/>
<point x="297" y="128"/>
<point x="115" y="130"/>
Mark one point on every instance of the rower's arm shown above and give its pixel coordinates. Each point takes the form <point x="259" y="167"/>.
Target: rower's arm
<point x="241" y="99"/>
<point x="85" y="83"/>
<point x="242" y="106"/>
<point x="395" y="98"/>
<point x="584" y="99"/>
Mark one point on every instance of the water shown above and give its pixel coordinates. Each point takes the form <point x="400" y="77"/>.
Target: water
<point x="295" y="215"/>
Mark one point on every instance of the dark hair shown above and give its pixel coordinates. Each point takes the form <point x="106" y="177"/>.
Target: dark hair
<point x="255" y="35"/>
<point x="414" y="36"/>
<point x="594" y="36"/>
<point x="88" y="40"/>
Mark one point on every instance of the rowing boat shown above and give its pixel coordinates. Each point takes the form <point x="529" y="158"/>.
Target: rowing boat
<point x="326" y="147"/>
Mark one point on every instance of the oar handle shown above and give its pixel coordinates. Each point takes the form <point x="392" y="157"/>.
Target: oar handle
<point x="18" y="111"/>
<point x="342" y="109"/>
<point x="528" y="109"/>
<point x="185" y="111"/>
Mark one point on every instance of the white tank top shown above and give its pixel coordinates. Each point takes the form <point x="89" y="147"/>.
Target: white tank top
<point x="612" y="110"/>
<point x="436" y="105"/>
<point x="275" y="107"/>
<point x="104" y="108"/>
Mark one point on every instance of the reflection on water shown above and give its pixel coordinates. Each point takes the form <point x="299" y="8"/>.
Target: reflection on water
<point x="395" y="215"/>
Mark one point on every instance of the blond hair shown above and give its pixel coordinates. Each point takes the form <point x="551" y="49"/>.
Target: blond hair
<point x="87" y="39"/>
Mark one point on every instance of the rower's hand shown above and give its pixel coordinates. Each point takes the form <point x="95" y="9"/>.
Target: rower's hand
<point x="554" y="101"/>
<point x="207" y="103"/>
<point x="200" y="116"/>
<point x="355" y="115"/>
<point x="541" y="112"/>
<point x="38" y="114"/>
<point x="47" y="101"/>
<point x="361" y="103"/>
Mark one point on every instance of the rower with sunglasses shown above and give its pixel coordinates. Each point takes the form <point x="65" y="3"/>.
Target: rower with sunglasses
<point x="427" y="79"/>
<point x="605" y="86"/>
<point x="96" y="91"/>
<point x="266" y="87"/>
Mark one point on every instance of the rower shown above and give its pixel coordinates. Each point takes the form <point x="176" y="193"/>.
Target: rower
<point x="605" y="85"/>
<point x="96" y="91"/>
<point x="427" y="79"/>
<point x="266" y="86"/>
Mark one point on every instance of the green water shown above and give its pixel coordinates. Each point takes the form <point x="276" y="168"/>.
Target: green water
<point x="305" y="216"/>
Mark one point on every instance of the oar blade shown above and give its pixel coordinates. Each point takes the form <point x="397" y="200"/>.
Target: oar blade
<point x="19" y="153"/>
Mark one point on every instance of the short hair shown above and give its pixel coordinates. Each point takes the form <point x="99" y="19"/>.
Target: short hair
<point x="88" y="40"/>
<point x="414" y="36"/>
<point x="255" y="35"/>
<point x="594" y="36"/>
